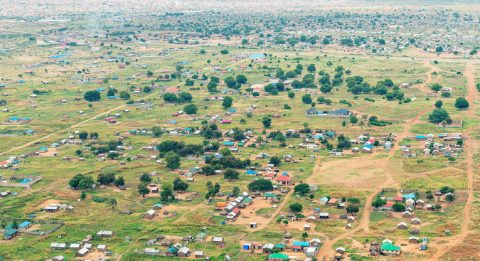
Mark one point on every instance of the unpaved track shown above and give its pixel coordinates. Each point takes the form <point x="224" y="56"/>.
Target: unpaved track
<point x="65" y="130"/>
<point x="470" y="149"/>
<point x="326" y="251"/>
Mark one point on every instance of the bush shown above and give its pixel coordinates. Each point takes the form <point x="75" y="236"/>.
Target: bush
<point x="92" y="96"/>
<point x="260" y="185"/>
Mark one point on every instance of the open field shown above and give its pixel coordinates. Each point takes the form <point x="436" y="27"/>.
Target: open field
<point x="341" y="130"/>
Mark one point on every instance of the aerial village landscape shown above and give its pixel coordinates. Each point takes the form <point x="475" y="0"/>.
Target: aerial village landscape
<point x="239" y="130"/>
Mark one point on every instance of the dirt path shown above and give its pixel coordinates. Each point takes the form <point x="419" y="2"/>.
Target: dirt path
<point x="432" y="68"/>
<point x="327" y="251"/>
<point x="30" y="143"/>
<point x="470" y="149"/>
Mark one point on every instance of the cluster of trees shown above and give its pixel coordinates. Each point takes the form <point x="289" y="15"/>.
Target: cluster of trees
<point x="274" y="89"/>
<point x="302" y="189"/>
<point x="227" y="102"/>
<point x="83" y="135"/>
<point x="212" y="190"/>
<point x="440" y="115"/>
<point x="236" y="83"/>
<point x="343" y="142"/>
<point x="108" y="147"/>
<point x="182" y="97"/>
<point x="182" y="149"/>
<point x="260" y="185"/>
<point x="92" y="96"/>
<point x="82" y="182"/>
<point x="210" y="131"/>
<point x="109" y="178"/>
<point x="213" y="84"/>
<point x="227" y="162"/>
<point x="179" y="185"/>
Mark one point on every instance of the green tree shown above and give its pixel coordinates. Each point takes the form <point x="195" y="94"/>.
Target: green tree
<point x="295" y="207"/>
<point x="124" y="95"/>
<point x="242" y="79"/>
<point x="307" y="98"/>
<point x="438" y="104"/>
<point x="190" y="109"/>
<point x="143" y="190"/>
<point x="275" y="161"/>
<point x="230" y="82"/>
<point x="267" y="122"/>
<point x="438" y="115"/>
<point x="235" y="191"/>
<point x="83" y="135"/>
<point x="83" y="196"/>
<point x="173" y="160"/>
<point x="436" y="87"/>
<point x="227" y="102"/>
<point x="145" y="178"/>
<point x="180" y="185"/>
<point x="231" y="174"/>
<point x="92" y="96"/>
<point x="450" y="197"/>
<point x="398" y="207"/>
<point x="260" y="185"/>
<point x="113" y="203"/>
<point x="378" y="202"/>
<point x="352" y="209"/>
<point x="304" y="236"/>
<point x="461" y="103"/>
<point x="167" y="193"/>
<point x="120" y="181"/>
<point x="302" y="189"/>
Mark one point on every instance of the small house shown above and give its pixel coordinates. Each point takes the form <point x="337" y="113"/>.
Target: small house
<point x="402" y="225"/>
<point x="150" y="214"/>
<point x="151" y="251"/>
<point x="24" y="225"/>
<point x="82" y="252"/>
<point x="278" y="257"/>
<point x="389" y="249"/>
<point x="218" y="240"/>
<point x="307" y="227"/>
<point x="407" y="214"/>
<point x="323" y="215"/>
<point x="183" y="252"/>
<point x="415" y="221"/>
<point x="199" y="254"/>
<point x="58" y="246"/>
<point x="9" y="234"/>
<point x="105" y="233"/>
<point x="414" y="240"/>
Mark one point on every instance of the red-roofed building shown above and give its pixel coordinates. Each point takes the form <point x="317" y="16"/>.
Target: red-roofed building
<point x="284" y="180"/>
<point x="226" y="121"/>
<point x="398" y="199"/>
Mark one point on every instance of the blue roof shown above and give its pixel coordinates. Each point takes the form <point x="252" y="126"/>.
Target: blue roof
<point x="324" y="199"/>
<point x="330" y="133"/>
<point x="228" y="143"/>
<point x="301" y="243"/>
<point x="251" y="172"/>
<point x="409" y="196"/>
<point x="257" y="56"/>
<point x="24" y="224"/>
